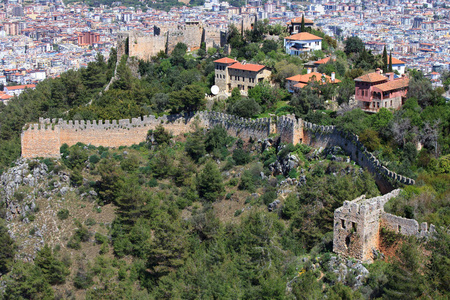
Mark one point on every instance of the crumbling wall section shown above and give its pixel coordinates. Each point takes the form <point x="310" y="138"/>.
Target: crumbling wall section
<point x="356" y="226"/>
<point x="409" y="227"/>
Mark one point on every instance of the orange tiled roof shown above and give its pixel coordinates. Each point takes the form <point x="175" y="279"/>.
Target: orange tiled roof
<point x="225" y="60"/>
<point x="247" y="67"/>
<point x="20" y="87"/>
<point x="396" y="61"/>
<point x="393" y="85"/>
<point x="322" y="61"/>
<point x="299" y="20"/>
<point x="303" y="36"/>
<point x="371" y="77"/>
<point x="308" y="77"/>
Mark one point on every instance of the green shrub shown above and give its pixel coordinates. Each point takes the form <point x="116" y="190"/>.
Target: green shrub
<point x="94" y="159"/>
<point x="233" y="181"/>
<point x="63" y="214"/>
<point x="237" y="212"/>
<point x="100" y="238"/>
<point x="240" y="156"/>
<point x="152" y="182"/>
<point x="83" y="279"/>
<point x="90" y="222"/>
<point x="19" y="196"/>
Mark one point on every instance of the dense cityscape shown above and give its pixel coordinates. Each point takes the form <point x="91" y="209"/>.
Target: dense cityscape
<point x="247" y="149"/>
<point x="53" y="37"/>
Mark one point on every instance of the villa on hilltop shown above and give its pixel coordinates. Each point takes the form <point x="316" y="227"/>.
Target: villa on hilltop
<point x="301" y="43"/>
<point x="230" y="74"/>
<point x="374" y="91"/>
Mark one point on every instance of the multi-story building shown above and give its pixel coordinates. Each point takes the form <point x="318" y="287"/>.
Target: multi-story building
<point x="302" y="42"/>
<point x="230" y="74"/>
<point x="374" y="91"/>
<point x="294" y="25"/>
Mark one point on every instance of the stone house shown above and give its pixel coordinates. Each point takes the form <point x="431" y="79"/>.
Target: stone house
<point x="301" y="43"/>
<point x="294" y="25"/>
<point x="230" y="73"/>
<point x="374" y="91"/>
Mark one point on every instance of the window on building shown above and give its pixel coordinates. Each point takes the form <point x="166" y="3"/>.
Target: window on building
<point x="343" y="223"/>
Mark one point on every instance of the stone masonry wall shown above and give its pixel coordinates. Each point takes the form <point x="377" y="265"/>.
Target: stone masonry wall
<point x="324" y="136"/>
<point x="357" y="226"/>
<point x="45" y="138"/>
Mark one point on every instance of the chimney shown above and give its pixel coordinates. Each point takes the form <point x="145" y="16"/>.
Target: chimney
<point x="391" y="76"/>
<point x="378" y="71"/>
<point x="309" y="70"/>
<point x="333" y="76"/>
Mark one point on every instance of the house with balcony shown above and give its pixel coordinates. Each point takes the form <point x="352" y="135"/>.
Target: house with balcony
<point x="230" y="74"/>
<point x="374" y="91"/>
<point x="302" y="42"/>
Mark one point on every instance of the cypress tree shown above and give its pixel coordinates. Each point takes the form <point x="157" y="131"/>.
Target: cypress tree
<point x="302" y="28"/>
<point x="390" y="61"/>
<point x="385" y="59"/>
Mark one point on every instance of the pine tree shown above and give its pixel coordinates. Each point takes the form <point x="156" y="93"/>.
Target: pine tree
<point x="210" y="182"/>
<point x="302" y="28"/>
<point x="390" y="61"/>
<point x="385" y="60"/>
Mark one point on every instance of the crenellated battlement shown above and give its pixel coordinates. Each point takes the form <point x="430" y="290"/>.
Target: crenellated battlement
<point x="44" y="139"/>
<point x="323" y="136"/>
<point x="357" y="226"/>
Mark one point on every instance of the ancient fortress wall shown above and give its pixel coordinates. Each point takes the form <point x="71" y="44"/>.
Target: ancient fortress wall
<point x="324" y="136"/>
<point x="357" y="226"/>
<point x="45" y="138"/>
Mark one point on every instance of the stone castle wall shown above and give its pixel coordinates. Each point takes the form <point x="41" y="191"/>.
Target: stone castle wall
<point x="357" y="226"/>
<point x="324" y="136"/>
<point x="45" y="138"/>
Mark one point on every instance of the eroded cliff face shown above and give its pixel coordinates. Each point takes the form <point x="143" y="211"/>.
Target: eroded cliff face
<point x="33" y="195"/>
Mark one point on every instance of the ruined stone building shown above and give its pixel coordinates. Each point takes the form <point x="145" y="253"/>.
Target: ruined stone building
<point x="145" y="46"/>
<point x="357" y="226"/>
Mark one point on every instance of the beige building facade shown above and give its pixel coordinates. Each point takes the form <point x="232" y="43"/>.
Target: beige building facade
<point x="230" y="74"/>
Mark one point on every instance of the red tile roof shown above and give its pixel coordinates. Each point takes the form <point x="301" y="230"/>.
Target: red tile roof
<point x="303" y="36"/>
<point x="309" y="77"/>
<point x="396" y="61"/>
<point x="299" y="20"/>
<point x="20" y="87"/>
<point x="247" y="67"/>
<point x="322" y="61"/>
<point x="225" y="60"/>
<point x="371" y="77"/>
<point x="393" y="85"/>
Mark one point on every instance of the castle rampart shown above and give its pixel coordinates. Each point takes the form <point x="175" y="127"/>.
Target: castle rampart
<point x="324" y="136"/>
<point x="45" y="138"/>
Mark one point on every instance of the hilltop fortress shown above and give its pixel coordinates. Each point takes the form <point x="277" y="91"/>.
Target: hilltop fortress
<point x="192" y="34"/>
<point x="356" y="224"/>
